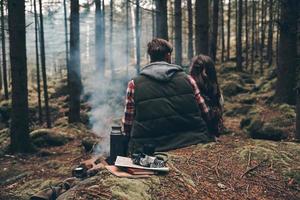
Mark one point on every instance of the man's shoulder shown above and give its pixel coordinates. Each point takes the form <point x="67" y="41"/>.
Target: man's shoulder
<point x="137" y="78"/>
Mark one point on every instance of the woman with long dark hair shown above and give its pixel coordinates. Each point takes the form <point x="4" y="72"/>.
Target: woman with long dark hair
<point x="203" y="70"/>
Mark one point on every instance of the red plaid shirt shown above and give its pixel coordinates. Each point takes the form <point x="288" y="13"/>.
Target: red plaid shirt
<point x="127" y="120"/>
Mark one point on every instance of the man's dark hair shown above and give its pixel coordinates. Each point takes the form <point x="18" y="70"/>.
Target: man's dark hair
<point x="158" y="49"/>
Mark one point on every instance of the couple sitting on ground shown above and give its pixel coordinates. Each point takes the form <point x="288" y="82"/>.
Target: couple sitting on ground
<point x="168" y="108"/>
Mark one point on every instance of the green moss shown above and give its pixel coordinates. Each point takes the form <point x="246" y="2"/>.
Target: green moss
<point x="267" y="86"/>
<point x="293" y="174"/>
<point x="282" y="121"/>
<point x="49" y="137"/>
<point x="282" y="155"/>
<point x="4" y="135"/>
<point x="33" y="186"/>
<point x="131" y="189"/>
<point x="287" y="110"/>
<point x="63" y="170"/>
<point x="5" y="103"/>
<point x="232" y="88"/>
<point x="243" y="110"/>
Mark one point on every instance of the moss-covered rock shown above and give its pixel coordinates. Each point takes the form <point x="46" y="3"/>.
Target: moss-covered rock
<point x="233" y="77"/>
<point x="282" y="122"/>
<point x="49" y="137"/>
<point x="267" y="85"/>
<point x="283" y="156"/>
<point x="60" y="90"/>
<point x="269" y="132"/>
<point x="88" y="143"/>
<point x="243" y="110"/>
<point x="245" y="122"/>
<point x="5" y="110"/>
<point x="247" y="78"/>
<point x="286" y="109"/>
<point x="133" y="189"/>
<point x="4" y="137"/>
<point x="225" y="70"/>
<point x="278" y="152"/>
<point x="248" y="100"/>
<point x="232" y="88"/>
<point x="61" y="122"/>
<point x="258" y="129"/>
<point x="31" y="187"/>
<point x="120" y="188"/>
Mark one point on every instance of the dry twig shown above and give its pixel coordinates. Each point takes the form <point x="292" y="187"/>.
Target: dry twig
<point x="247" y="189"/>
<point x="249" y="159"/>
<point x="253" y="168"/>
<point x="217" y="166"/>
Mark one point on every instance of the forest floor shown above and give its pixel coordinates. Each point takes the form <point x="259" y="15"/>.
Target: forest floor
<point x="235" y="167"/>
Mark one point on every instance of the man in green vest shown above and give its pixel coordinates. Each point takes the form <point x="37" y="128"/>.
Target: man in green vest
<point x="164" y="106"/>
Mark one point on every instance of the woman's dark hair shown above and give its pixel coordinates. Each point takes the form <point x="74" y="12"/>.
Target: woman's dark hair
<point x="208" y="82"/>
<point x="158" y="49"/>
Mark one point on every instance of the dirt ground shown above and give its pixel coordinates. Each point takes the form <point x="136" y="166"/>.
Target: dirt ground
<point x="234" y="167"/>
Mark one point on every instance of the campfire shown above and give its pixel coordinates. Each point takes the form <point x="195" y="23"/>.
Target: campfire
<point x="146" y="163"/>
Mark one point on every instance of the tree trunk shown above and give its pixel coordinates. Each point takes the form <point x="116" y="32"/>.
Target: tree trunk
<point x="253" y="34"/>
<point x="38" y="80"/>
<point x="202" y="25"/>
<point x="287" y="53"/>
<point x="228" y="30"/>
<point x="138" y="37"/>
<point x="161" y="19"/>
<point x="75" y="86"/>
<point x="153" y="19"/>
<point x="66" y="36"/>
<point x="4" y="64"/>
<point x="190" y="29"/>
<point x="222" y="32"/>
<point x="171" y="26"/>
<point x="111" y="31"/>
<point x="239" y="59"/>
<point x="270" y="34"/>
<point x="43" y="62"/>
<point x="213" y="41"/>
<point x="262" y="32"/>
<point x="257" y="29"/>
<point x="178" y="33"/>
<point x="246" y="35"/>
<point x="277" y="31"/>
<point x="103" y="31"/>
<point x="99" y="45"/>
<point x="19" y="129"/>
<point x="236" y="27"/>
<point x="1" y="82"/>
<point x="127" y="36"/>
<point x="297" y="135"/>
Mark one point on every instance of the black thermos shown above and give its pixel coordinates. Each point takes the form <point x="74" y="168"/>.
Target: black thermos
<point x="118" y="144"/>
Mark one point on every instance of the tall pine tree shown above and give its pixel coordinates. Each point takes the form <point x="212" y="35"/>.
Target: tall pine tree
<point x="202" y="25"/>
<point x="75" y="86"/>
<point x="161" y="19"/>
<point x="19" y="129"/>
<point x="287" y="54"/>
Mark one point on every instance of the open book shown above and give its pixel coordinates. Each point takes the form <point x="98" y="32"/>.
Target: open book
<point x="127" y="162"/>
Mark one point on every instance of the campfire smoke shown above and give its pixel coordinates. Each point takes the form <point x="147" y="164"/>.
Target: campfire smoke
<point x="106" y="98"/>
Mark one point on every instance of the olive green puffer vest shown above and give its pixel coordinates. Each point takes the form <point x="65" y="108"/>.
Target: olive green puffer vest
<point x="166" y="113"/>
